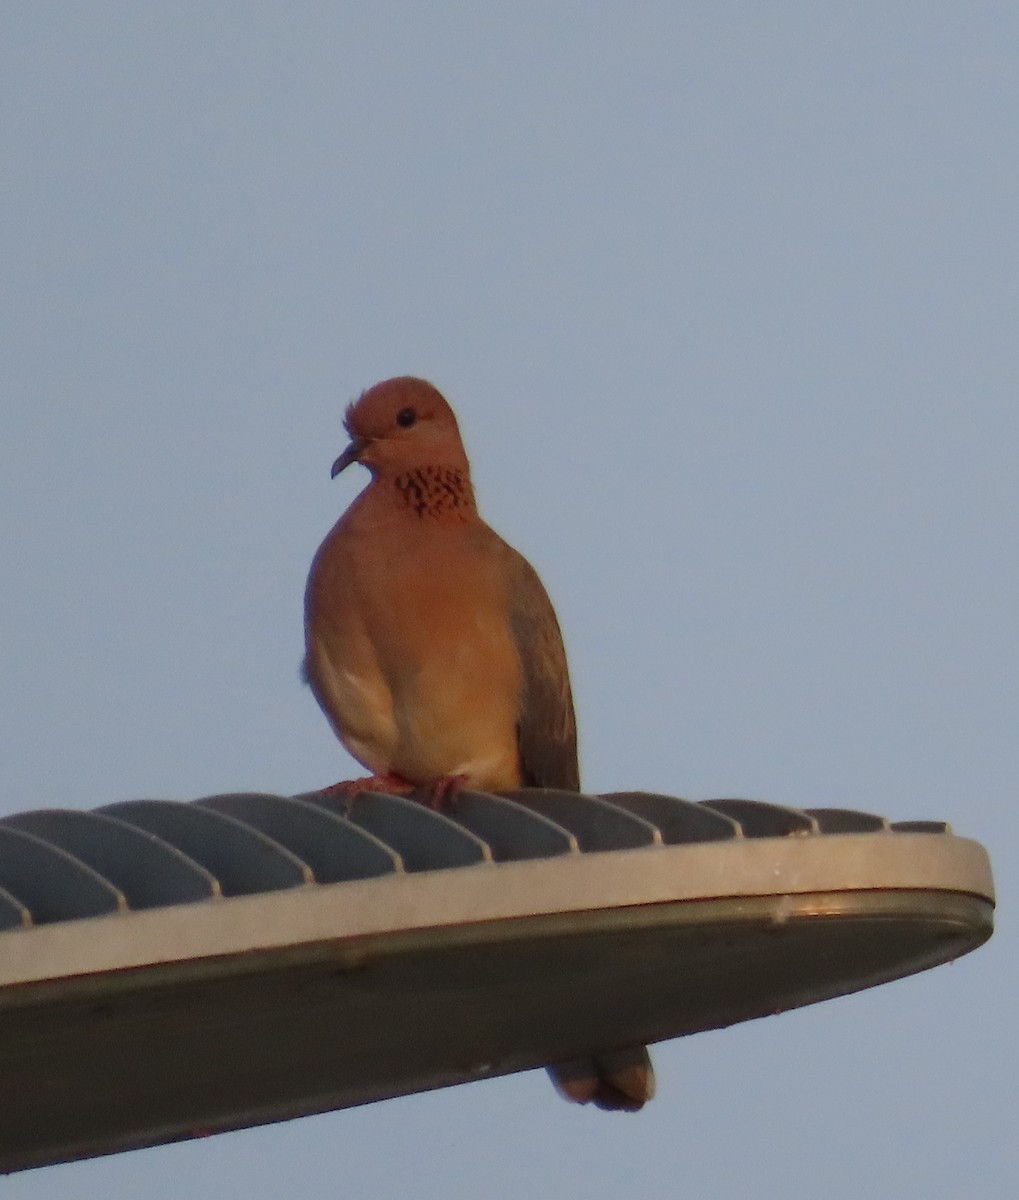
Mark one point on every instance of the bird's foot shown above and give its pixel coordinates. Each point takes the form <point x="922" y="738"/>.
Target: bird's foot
<point x="440" y="794"/>
<point x="348" y="789"/>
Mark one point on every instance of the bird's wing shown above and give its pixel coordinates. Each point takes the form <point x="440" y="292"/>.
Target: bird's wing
<point x="546" y="729"/>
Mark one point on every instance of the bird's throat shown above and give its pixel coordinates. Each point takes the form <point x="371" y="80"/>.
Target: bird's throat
<point x="442" y="492"/>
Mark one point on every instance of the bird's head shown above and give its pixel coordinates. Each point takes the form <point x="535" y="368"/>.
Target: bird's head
<point x="401" y="424"/>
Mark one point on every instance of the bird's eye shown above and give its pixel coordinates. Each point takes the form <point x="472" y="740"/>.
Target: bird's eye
<point x="406" y="417"/>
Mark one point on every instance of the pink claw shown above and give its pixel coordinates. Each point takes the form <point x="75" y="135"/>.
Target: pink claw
<point x="393" y="785"/>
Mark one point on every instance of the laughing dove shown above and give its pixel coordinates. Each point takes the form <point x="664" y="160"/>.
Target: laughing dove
<point x="434" y="650"/>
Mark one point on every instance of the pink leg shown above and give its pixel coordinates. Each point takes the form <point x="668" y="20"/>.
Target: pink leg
<point x="441" y="793"/>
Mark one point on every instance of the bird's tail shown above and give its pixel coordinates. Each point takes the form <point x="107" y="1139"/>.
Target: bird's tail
<point x="619" y="1080"/>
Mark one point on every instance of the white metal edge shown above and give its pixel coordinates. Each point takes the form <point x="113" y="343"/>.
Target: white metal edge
<point x="492" y="892"/>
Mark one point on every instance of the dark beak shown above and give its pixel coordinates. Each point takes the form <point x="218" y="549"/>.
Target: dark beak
<point x="352" y="454"/>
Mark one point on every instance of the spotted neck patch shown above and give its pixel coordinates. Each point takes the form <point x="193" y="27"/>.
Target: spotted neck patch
<point x="436" y="491"/>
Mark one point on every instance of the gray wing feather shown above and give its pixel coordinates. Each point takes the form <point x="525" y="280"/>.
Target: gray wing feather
<point x="547" y="728"/>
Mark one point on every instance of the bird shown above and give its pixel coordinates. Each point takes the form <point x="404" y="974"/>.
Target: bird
<point x="434" y="651"/>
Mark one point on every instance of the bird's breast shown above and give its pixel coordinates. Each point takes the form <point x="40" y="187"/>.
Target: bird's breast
<point x="411" y="655"/>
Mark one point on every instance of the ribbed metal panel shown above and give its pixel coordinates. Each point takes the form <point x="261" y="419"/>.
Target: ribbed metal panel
<point x="512" y="832"/>
<point x="148" y="872"/>
<point x="678" y="821"/>
<point x="62" y="864"/>
<point x="49" y="883"/>
<point x="759" y="820"/>
<point x="843" y="820"/>
<point x="242" y="859"/>
<point x="336" y="850"/>
<point x="596" y="823"/>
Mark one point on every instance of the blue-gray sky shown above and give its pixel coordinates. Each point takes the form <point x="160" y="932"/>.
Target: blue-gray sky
<point x="725" y="297"/>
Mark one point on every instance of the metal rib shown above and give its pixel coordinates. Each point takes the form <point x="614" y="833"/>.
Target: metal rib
<point x="50" y="883"/>
<point x="334" y="848"/>
<point x="596" y="823"/>
<point x="425" y="840"/>
<point x="758" y="819"/>
<point x="145" y="869"/>
<point x="243" y="860"/>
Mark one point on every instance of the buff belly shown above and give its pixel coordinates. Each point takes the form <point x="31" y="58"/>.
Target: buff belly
<point x="424" y="716"/>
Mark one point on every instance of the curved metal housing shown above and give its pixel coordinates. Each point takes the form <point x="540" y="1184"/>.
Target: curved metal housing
<point x="169" y="969"/>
